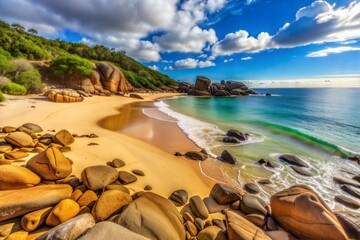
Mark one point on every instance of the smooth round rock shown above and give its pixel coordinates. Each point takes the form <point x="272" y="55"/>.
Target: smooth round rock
<point x="199" y="223"/>
<point x="33" y="127"/>
<point x="117" y="163"/>
<point x="50" y="164"/>
<point x="63" y="137"/>
<point x="252" y="188"/>
<point x="211" y="233"/>
<point x="71" y="229"/>
<point x="257" y="219"/>
<point x="16" y="155"/>
<point x="198" y="207"/>
<point x="138" y="172"/>
<point x="294" y="160"/>
<point x="14" y="177"/>
<point x="196" y="155"/>
<point x="302" y="171"/>
<point x="188" y="217"/>
<point x="228" y="157"/>
<point x="351" y="190"/>
<point x="118" y="187"/>
<point x="63" y="211"/>
<point x="19" y="139"/>
<point x="5" y="147"/>
<point x="98" y="177"/>
<point x="348" y="202"/>
<point x="34" y="220"/>
<point x="179" y="197"/>
<point x="219" y="223"/>
<point x="191" y="228"/>
<point x="109" y="204"/>
<point x="147" y="188"/>
<point x="264" y="181"/>
<point x="250" y="204"/>
<point x="87" y="198"/>
<point x="224" y="194"/>
<point x="126" y="177"/>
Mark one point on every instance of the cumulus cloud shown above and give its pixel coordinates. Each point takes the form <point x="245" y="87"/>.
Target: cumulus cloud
<point x="228" y="60"/>
<point x="317" y="23"/>
<point x="154" y="67"/>
<point x="190" y="63"/>
<point x="329" y="51"/>
<point x="246" y="58"/>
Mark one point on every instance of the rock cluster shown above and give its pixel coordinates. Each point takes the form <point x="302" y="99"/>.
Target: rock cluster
<point x="204" y="87"/>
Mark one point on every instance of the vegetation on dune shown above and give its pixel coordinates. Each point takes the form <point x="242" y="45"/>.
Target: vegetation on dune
<point x="16" y="42"/>
<point x="14" y="89"/>
<point x="2" y="97"/>
<point x="31" y="80"/>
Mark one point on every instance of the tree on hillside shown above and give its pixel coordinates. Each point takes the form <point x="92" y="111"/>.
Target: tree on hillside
<point x="69" y="66"/>
<point x="32" y="31"/>
<point x="31" y="80"/>
<point x="22" y="65"/>
<point x="17" y="26"/>
<point x="6" y="66"/>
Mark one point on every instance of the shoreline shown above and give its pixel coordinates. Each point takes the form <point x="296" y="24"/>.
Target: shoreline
<point x="163" y="171"/>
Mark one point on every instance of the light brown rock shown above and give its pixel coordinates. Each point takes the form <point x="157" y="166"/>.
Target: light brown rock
<point x="5" y="147"/>
<point x="301" y="212"/>
<point x="109" y="204"/>
<point x="211" y="233"/>
<point x="238" y="228"/>
<point x="33" y="127"/>
<point x="15" y="203"/>
<point x="20" y="139"/>
<point x="16" y="155"/>
<point x="34" y="220"/>
<point x="98" y="177"/>
<point x="15" y="177"/>
<point x="63" y="137"/>
<point x="87" y="198"/>
<point x="50" y="165"/>
<point x="63" y="211"/>
<point x="20" y="235"/>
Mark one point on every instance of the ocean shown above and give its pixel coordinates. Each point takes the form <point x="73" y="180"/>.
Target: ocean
<point x="321" y="125"/>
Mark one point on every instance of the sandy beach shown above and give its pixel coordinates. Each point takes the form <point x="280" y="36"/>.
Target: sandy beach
<point x="137" y="146"/>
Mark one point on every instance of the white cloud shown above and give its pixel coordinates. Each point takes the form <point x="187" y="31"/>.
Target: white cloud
<point x="190" y="63"/>
<point x="246" y="58"/>
<point x="203" y="55"/>
<point x="228" y="60"/>
<point x="168" y="68"/>
<point x="348" y="42"/>
<point x="329" y="51"/>
<point x="241" y="42"/>
<point x="154" y="67"/>
<point x="314" y="9"/>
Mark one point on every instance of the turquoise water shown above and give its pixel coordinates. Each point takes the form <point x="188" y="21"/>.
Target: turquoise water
<point x="320" y="125"/>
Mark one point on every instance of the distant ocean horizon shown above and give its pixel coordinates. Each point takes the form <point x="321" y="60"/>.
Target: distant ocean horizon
<point x="321" y="125"/>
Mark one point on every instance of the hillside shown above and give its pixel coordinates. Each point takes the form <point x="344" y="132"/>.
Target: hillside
<point x="26" y="44"/>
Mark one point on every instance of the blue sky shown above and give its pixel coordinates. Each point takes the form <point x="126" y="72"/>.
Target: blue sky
<point x="221" y="39"/>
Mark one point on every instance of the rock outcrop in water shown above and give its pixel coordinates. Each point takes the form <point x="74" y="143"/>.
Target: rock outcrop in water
<point x="204" y="87"/>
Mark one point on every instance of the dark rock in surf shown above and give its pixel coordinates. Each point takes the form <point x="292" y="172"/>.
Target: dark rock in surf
<point x="239" y="135"/>
<point x="302" y="171"/>
<point x="227" y="157"/>
<point x="231" y="140"/>
<point x="350" y="190"/>
<point x="268" y="94"/>
<point x="252" y="188"/>
<point x="272" y="164"/>
<point x="231" y="85"/>
<point x="294" y="160"/>
<point x="348" y="202"/>
<point x="196" y="155"/>
<point x="351" y="182"/>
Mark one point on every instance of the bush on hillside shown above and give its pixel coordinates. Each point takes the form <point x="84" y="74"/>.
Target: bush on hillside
<point x="13" y="89"/>
<point x="31" y="80"/>
<point x="2" y="97"/>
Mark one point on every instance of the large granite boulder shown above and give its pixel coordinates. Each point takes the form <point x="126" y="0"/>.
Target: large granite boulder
<point x="350" y="221"/>
<point x="202" y="84"/>
<point x="19" y="139"/>
<point x="224" y="194"/>
<point x="111" y="231"/>
<point x="87" y="85"/>
<point x="183" y="87"/>
<point x="15" y="203"/>
<point x="230" y="85"/>
<point x="50" y="164"/>
<point x="152" y="216"/>
<point x="238" y="228"/>
<point x="179" y="197"/>
<point x="15" y="177"/>
<point x="112" y="78"/>
<point x="63" y="137"/>
<point x="227" y="157"/>
<point x="109" y="204"/>
<point x="251" y="204"/>
<point x="301" y="212"/>
<point x="95" y="80"/>
<point x="71" y="229"/>
<point x="33" y="127"/>
<point x="98" y="177"/>
<point x="237" y="134"/>
<point x="64" y="96"/>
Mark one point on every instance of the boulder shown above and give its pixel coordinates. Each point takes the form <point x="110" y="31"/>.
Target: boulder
<point x="224" y="194"/>
<point x="63" y="211"/>
<point x="251" y="204"/>
<point x="293" y="160"/>
<point x="87" y="86"/>
<point x="87" y="198"/>
<point x="238" y="228"/>
<point x="219" y="223"/>
<point x="20" y="139"/>
<point x="20" y="235"/>
<point x="117" y="163"/>
<point x="348" y="202"/>
<point x="350" y="222"/>
<point x="153" y="217"/>
<point x="230" y="85"/>
<point x="351" y="190"/>
<point x="231" y="140"/>
<point x="264" y="181"/>
<point x="14" y="177"/>
<point x="15" y="203"/>
<point x="33" y="127"/>
<point x="64" y="96"/>
<point x="272" y="164"/>
<point x="34" y="220"/>
<point x="98" y="177"/>
<point x="135" y="95"/>
<point x="239" y="135"/>
<point x="252" y="188"/>
<point x="299" y="207"/>
<point x="221" y="93"/>
<point x="346" y="181"/>
<point x="199" y="223"/>
<point x="179" y="197"/>
<point x="126" y="177"/>
<point x="280" y="235"/>
<point x="302" y="171"/>
<point x="71" y="229"/>
<point x="118" y="187"/>
<point x="196" y="155"/>
<point x="202" y="84"/>
<point x="183" y="87"/>
<point x="211" y="233"/>
<point x="8" y="129"/>
<point x="63" y="137"/>
<point x="111" y="231"/>
<point x="198" y="207"/>
<point x="356" y="178"/>
<point x="111" y="78"/>
<point x="191" y="228"/>
<point x="110" y="203"/>
<point x="50" y="164"/>
<point x="16" y="155"/>
<point x="257" y="219"/>
<point x="95" y="80"/>
<point x="199" y="93"/>
<point x="5" y="147"/>
<point x="228" y="157"/>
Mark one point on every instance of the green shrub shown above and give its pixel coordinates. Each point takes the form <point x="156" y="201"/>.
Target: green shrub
<point x="2" y="97"/>
<point x="14" y="89"/>
<point x="31" y="80"/>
